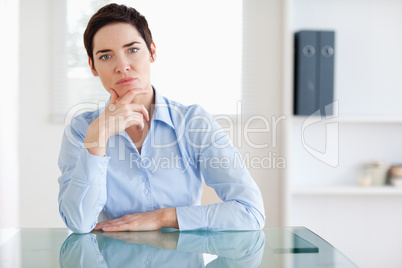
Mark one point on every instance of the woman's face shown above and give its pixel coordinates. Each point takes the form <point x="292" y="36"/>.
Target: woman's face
<point x="121" y="58"/>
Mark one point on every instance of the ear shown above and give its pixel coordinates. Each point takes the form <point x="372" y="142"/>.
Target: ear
<point x="153" y="50"/>
<point x="94" y="72"/>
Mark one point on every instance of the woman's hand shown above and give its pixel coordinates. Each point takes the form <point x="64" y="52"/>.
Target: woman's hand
<point x="119" y="115"/>
<point x="147" y="221"/>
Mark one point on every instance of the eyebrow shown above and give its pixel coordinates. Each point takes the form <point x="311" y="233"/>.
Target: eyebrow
<point x="108" y="50"/>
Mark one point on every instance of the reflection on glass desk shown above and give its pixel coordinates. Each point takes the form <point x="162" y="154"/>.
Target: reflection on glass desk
<point x="271" y="247"/>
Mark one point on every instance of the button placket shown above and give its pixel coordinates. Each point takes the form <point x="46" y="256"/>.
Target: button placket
<point x="146" y="190"/>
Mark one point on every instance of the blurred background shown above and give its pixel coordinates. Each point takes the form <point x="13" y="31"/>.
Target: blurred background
<point x="235" y="58"/>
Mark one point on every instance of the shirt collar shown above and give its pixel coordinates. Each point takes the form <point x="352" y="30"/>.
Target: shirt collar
<point x="162" y="109"/>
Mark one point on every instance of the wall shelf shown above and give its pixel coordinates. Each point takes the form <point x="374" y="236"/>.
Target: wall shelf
<point x="362" y="119"/>
<point x="349" y="190"/>
<point x="371" y="120"/>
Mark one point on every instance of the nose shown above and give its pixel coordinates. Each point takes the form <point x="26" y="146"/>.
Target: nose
<point x="123" y="65"/>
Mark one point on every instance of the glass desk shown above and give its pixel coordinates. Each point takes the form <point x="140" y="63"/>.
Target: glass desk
<point x="271" y="247"/>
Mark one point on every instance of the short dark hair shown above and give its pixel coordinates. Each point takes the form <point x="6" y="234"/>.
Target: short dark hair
<point x="114" y="13"/>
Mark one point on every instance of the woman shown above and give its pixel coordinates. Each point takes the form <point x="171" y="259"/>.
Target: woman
<point x="138" y="163"/>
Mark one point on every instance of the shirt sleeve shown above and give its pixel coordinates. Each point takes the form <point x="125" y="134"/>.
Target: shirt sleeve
<point x="82" y="193"/>
<point x="223" y="169"/>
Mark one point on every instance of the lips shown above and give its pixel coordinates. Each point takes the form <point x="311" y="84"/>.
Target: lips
<point x="125" y="81"/>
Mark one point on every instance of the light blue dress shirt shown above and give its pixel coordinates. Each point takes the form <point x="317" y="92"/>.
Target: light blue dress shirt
<point x="183" y="146"/>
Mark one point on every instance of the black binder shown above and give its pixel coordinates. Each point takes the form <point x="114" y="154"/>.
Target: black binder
<point x="314" y="72"/>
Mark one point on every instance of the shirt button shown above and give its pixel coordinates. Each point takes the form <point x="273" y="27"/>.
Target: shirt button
<point x="146" y="191"/>
<point x="144" y="179"/>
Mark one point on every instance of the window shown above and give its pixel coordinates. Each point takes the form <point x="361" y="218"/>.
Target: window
<point x="199" y="53"/>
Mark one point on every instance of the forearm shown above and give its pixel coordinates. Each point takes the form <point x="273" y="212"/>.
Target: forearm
<point x="225" y="216"/>
<point x="83" y="191"/>
<point x="80" y="206"/>
<point x="242" y="207"/>
<point x="96" y="138"/>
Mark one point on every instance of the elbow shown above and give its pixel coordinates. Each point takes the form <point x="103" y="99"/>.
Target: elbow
<point x="259" y="216"/>
<point x="255" y="220"/>
<point x="80" y="229"/>
<point x="254" y="217"/>
<point x="260" y="221"/>
<point x="78" y="224"/>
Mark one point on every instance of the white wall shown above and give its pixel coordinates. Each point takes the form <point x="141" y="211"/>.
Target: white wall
<point x="40" y="139"/>
<point x="9" y="114"/>
<point x="262" y="93"/>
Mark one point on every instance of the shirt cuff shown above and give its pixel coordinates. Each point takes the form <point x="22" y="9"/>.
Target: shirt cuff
<point x="90" y="167"/>
<point x="192" y="218"/>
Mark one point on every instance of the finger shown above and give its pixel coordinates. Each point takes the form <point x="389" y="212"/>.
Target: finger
<point x="139" y="108"/>
<point x="106" y="226"/>
<point x="135" y="120"/>
<point x="130" y="96"/>
<point x="143" y="110"/>
<point x="114" y="96"/>
<point x="100" y="225"/>
<point x="117" y="228"/>
<point x="114" y="227"/>
<point x="112" y="222"/>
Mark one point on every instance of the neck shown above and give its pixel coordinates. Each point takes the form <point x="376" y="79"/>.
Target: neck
<point x="146" y="100"/>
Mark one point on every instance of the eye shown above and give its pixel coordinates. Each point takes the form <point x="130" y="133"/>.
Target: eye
<point x="133" y="50"/>
<point x="104" y="57"/>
